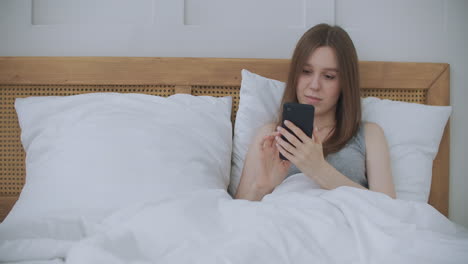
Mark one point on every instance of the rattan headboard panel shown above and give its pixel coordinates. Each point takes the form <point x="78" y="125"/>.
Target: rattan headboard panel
<point x="11" y="151"/>
<point x="405" y="95"/>
<point x="425" y="83"/>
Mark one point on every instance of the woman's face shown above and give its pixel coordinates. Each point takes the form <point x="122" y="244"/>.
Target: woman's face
<point x="318" y="83"/>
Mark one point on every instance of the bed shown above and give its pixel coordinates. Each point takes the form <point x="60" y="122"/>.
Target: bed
<point x="20" y="77"/>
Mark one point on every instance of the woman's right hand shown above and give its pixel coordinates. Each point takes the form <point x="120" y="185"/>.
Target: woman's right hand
<point x="274" y="169"/>
<point x="263" y="169"/>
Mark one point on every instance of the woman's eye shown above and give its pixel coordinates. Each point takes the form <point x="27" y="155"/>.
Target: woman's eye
<point x="306" y="71"/>
<point x="329" y="77"/>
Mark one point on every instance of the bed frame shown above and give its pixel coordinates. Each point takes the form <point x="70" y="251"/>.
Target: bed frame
<point x="425" y="83"/>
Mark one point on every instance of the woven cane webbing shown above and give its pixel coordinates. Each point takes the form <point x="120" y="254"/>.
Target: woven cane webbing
<point x="406" y="95"/>
<point x="12" y="169"/>
<point x="11" y="152"/>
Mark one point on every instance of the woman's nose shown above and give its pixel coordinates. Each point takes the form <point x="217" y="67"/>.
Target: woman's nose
<point x="315" y="82"/>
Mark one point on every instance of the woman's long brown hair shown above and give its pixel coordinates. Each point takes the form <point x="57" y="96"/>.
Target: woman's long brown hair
<point x="348" y="108"/>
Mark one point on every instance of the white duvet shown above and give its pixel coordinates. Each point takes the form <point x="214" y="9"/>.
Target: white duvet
<point x="297" y="223"/>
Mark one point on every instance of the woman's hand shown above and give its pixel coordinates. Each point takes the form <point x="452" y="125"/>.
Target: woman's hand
<point x="274" y="169"/>
<point x="263" y="169"/>
<point x="307" y="154"/>
<point x="303" y="151"/>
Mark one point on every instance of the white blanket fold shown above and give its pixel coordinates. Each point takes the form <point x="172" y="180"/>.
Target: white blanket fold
<point x="297" y="223"/>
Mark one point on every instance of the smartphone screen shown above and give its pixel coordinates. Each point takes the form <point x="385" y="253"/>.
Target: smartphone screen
<point x="301" y="115"/>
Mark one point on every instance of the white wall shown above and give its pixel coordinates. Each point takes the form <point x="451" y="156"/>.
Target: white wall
<point x="398" y="30"/>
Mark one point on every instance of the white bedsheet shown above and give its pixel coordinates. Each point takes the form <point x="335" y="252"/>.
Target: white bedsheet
<point x="297" y="223"/>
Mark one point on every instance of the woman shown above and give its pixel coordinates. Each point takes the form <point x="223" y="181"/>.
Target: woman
<point x="343" y="151"/>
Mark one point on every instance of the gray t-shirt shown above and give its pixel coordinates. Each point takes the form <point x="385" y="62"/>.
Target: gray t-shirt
<point x="350" y="160"/>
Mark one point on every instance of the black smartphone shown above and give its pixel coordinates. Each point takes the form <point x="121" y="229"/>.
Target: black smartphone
<point x="301" y="115"/>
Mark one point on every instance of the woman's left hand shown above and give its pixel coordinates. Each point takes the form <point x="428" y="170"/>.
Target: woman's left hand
<point x="303" y="151"/>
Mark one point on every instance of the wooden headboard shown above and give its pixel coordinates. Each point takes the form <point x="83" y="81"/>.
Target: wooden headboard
<point x="425" y="83"/>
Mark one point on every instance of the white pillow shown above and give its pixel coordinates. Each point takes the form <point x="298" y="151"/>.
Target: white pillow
<point x="89" y="154"/>
<point x="413" y="132"/>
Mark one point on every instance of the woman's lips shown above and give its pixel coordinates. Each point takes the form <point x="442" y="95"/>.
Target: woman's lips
<point x="313" y="99"/>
